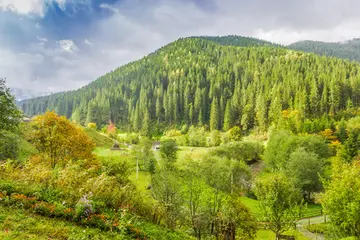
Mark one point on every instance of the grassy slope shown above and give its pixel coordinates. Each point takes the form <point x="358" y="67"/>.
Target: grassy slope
<point x="99" y="139"/>
<point x="20" y="224"/>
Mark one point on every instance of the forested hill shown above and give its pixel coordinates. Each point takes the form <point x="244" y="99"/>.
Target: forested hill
<point x="196" y="81"/>
<point x="233" y="40"/>
<point x="347" y="50"/>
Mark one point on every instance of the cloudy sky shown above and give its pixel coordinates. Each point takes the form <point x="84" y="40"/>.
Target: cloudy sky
<point x="56" y="45"/>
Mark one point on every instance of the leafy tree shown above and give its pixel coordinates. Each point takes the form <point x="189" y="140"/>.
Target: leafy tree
<point x="166" y="188"/>
<point x="280" y="202"/>
<point x="235" y="221"/>
<point x="234" y="134"/>
<point x="305" y="168"/>
<point x="195" y="194"/>
<point x="10" y="115"/>
<point x="246" y="151"/>
<point x="341" y="200"/>
<point x="283" y="143"/>
<point x="215" y="138"/>
<point x="60" y="140"/>
<point x="168" y="151"/>
<point x="142" y="153"/>
<point x="9" y="145"/>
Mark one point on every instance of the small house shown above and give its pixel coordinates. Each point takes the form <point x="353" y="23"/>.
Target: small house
<point x="26" y="119"/>
<point x="156" y="146"/>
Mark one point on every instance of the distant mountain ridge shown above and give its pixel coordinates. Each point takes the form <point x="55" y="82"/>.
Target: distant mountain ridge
<point x="240" y="41"/>
<point x="349" y="49"/>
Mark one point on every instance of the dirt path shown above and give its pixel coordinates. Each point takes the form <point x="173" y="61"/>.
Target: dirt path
<point x="309" y="234"/>
<point x="314" y="220"/>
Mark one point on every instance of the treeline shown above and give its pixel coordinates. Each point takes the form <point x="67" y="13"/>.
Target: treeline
<point x="347" y="50"/>
<point x="198" y="82"/>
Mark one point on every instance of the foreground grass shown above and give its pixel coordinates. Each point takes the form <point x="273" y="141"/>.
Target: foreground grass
<point x="20" y="224"/>
<point x="266" y="234"/>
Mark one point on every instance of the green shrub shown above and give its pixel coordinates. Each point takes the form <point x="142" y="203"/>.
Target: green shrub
<point x="320" y="228"/>
<point x="9" y="145"/>
<point x="242" y="151"/>
<point x="132" y="138"/>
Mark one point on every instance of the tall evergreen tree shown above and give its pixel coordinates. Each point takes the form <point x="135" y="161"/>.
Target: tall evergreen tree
<point x="228" y="118"/>
<point x="214" y="115"/>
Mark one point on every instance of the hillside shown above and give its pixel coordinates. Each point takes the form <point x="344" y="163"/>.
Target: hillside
<point x="347" y="50"/>
<point x="233" y="40"/>
<point x="197" y="81"/>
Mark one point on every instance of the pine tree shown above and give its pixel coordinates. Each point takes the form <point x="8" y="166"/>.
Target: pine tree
<point x="136" y="120"/>
<point x="191" y="114"/>
<point x="200" y="120"/>
<point x="75" y="117"/>
<point x="152" y="165"/>
<point x="228" y="118"/>
<point x="341" y="131"/>
<point x="145" y="130"/>
<point x="214" y="115"/>
<point x="260" y="112"/>
<point x="90" y="113"/>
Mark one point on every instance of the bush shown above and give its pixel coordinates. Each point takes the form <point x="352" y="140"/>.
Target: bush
<point x="242" y="151"/>
<point x="197" y="137"/>
<point x="92" y="126"/>
<point x="173" y="133"/>
<point x="132" y="138"/>
<point x="234" y="134"/>
<point x="215" y="139"/>
<point x="9" y="145"/>
<point x="320" y="228"/>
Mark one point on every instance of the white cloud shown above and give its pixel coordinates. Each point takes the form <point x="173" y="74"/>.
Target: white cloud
<point x="138" y="27"/>
<point x="42" y="39"/>
<point x="110" y="8"/>
<point x="87" y="42"/>
<point x="61" y="4"/>
<point x="68" y="46"/>
<point x="23" y="6"/>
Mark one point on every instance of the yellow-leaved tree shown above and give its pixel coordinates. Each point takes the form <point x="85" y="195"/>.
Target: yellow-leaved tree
<point x="59" y="139"/>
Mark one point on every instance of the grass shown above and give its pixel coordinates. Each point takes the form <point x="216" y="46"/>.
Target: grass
<point x="106" y="152"/>
<point x="99" y="139"/>
<point x="253" y="205"/>
<point x="20" y="224"/>
<point x="143" y="181"/>
<point x="26" y="150"/>
<point x="191" y="152"/>
<point x="312" y="210"/>
<point x="266" y="234"/>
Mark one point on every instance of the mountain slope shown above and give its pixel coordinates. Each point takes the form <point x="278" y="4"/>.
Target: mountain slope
<point x="196" y="81"/>
<point x="347" y="50"/>
<point x="240" y="41"/>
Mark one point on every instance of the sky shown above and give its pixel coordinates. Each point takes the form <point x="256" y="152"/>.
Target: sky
<point x="49" y="46"/>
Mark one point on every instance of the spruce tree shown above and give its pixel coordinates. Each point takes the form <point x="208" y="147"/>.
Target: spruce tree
<point x="214" y="115"/>
<point x="228" y="118"/>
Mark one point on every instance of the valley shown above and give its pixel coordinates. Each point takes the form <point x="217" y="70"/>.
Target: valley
<point x="205" y="138"/>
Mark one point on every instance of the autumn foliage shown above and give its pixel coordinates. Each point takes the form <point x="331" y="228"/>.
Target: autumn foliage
<point x="59" y="139"/>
